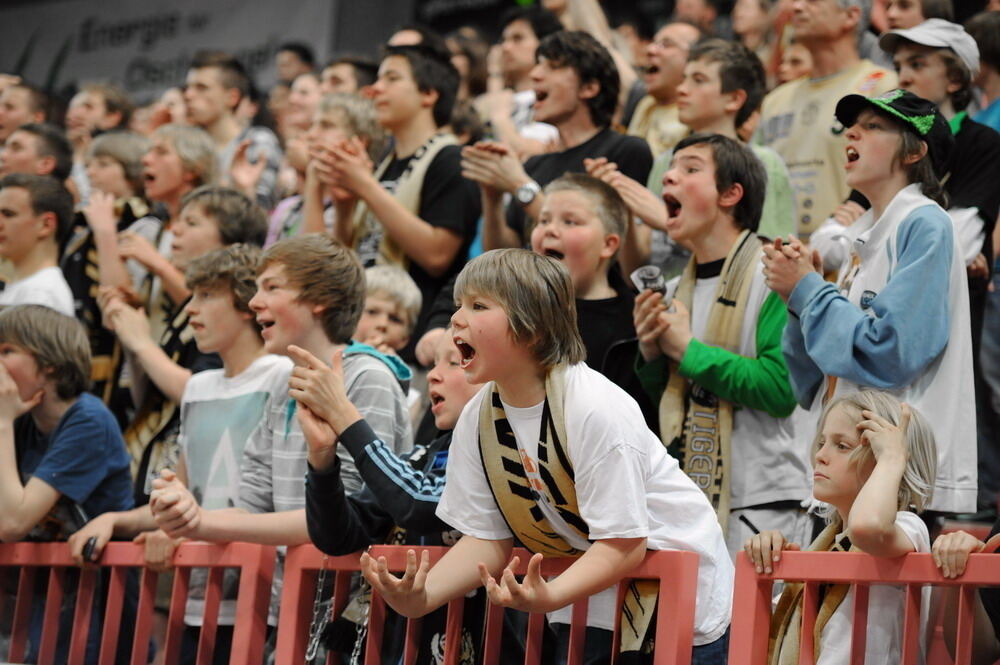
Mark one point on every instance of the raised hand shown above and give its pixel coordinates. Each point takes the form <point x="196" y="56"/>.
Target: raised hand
<point x="100" y="213"/>
<point x="321" y="387"/>
<point x="529" y="595"/>
<point x="407" y="594"/>
<point x="246" y="174"/>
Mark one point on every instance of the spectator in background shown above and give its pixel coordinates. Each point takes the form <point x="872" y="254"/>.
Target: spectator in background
<point x="303" y="98"/>
<point x="508" y="104"/>
<point x="468" y="55"/>
<point x="37" y="148"/>
<point x="711" y="16"/>
<point x="347" y="74"/>
<point x="216" y="82"/>
<point x="655" y="118"/>
<point x="340" y="117"/>
<point x="292" y="60"/>
<point x="902" y="14"/>
<point x="173" y="105"/>
<point x="114" y="170"/>
<point x="21" y="103"/>
<point x="98" y="107"/>
<point x="796" y="62"/>
<point x="576" y="85"/>
<point x="985" y="29"/>
<point x="753" y="23"/>
<point x="35" y="216"/>
<point x="415" y="210"/>
<point x="797" y="118"/>
<point x="413" y="35"/>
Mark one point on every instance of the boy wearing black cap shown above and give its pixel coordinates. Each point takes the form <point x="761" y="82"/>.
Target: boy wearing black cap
<point x="899" y="318"/>
<point x="938" y="60"/>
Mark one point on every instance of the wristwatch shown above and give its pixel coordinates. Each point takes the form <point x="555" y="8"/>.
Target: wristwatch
<point x="527" y="192"/>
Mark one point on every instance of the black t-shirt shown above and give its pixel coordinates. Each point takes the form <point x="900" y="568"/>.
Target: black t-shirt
<point x="447" y="200"/>
<point x="609" y="336"/>
<point x="630" y="153"/>
<point x="975" y="174"/>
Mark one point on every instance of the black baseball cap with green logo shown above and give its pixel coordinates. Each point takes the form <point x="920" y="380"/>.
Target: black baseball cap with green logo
<point x="914" y="113"/>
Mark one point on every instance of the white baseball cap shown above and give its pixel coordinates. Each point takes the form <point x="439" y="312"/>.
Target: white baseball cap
<point x="938" y="33"/>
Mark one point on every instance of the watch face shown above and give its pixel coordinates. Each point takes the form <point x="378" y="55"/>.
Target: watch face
<point x="525" y="194"/>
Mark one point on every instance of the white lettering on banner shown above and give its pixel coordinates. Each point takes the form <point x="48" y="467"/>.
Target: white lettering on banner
<point x="146" y="46"/>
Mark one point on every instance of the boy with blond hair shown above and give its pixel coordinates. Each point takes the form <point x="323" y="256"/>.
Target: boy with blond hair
<point x="392" y="305"/>
<point x="583" y="227"/>
<point x="598" y="486"/>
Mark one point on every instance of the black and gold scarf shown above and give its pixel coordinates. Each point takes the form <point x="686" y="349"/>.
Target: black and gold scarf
<point x="696" y="424"/>
<point x="518" y="499"/>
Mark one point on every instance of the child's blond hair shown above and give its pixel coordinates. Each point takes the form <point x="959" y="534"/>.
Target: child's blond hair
<point x="607" y="203"/>
<point x="917" y="483"/>
<point x="395" y="284"/>
<point x="536" y="292"/>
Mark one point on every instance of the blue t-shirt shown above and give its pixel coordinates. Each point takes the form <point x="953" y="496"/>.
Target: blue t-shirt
<point x="83" y="458"/>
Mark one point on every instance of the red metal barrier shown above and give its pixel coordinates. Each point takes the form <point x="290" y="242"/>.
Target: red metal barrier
<point x="748" y="640"/>
<point x="255" y="562"/>
<point x="677" y="572"/>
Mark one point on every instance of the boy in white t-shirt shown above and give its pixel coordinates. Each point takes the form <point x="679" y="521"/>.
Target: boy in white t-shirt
<point x="35" y="216"/>
<point x="553" y="453"/>
<point x="220" y="408"/>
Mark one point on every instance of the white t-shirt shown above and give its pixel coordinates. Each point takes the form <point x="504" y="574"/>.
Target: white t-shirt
<point x="627" y="487"/>
<point x="885" y="613"/>
<point x="218" y="414"/>
<point x="46" y="287"/>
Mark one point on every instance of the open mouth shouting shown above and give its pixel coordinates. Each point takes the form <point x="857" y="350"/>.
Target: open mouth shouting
<point x="467" y="351"/>
<point x="852" y="154"/>
<point x="673" y="206"/>
<point x="553" y="253"/>
<point x="437" y="399"/>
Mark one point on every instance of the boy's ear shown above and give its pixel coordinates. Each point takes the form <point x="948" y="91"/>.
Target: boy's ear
<point x="429" y="98"/>
<point x="317" y="310"/>
<point x="731" y="196"/>
<point x="588" y="90"/>
<point x="736" y="99"/>
<point x="233" y="98"/>
<point x="851" y="17"/>
<point x="47" y="225"/>
<point x="915" y="157"/>
<point x="45" y="165"/>
<point x="612" y="242"/>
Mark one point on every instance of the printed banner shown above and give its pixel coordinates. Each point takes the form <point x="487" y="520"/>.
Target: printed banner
<point x="146" y="46"/>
